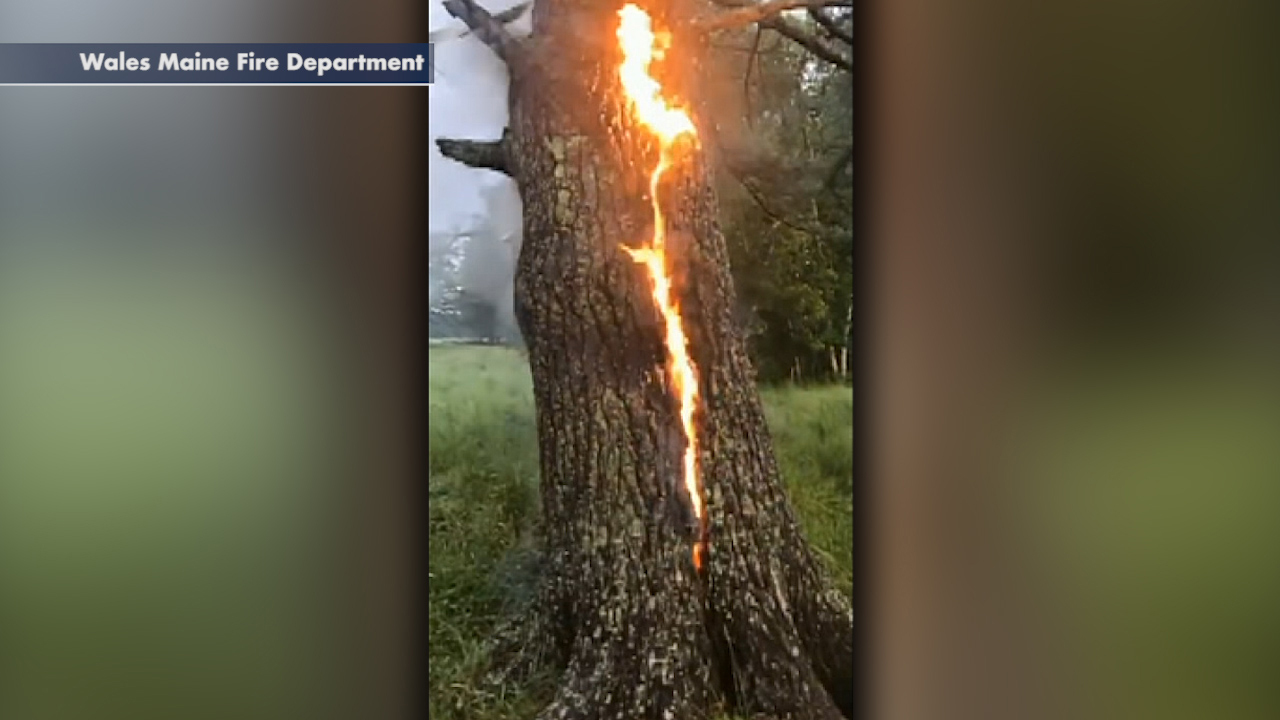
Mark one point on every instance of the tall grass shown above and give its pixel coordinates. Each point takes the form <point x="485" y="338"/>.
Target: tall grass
<point x="483" y="500"/>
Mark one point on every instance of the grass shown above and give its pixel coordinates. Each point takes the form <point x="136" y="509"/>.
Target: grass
<point x="483" y="498"/>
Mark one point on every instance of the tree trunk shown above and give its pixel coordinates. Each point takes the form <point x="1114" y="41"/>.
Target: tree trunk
<point x="848" y="340"/>
<point x="637" y="631"/>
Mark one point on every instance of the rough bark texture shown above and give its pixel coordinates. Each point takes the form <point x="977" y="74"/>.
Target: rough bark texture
<point x="636" y="631"/>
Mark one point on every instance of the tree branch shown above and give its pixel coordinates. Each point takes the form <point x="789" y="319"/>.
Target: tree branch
<point x="487" y="154"/>
<point x="506" y="17"/>
<point x="741" y="176"/>
<point x="486" y="27"/>
<point x="808" y="42"/>
<point x="829" y="24"/>
<point x="743" y="14"/>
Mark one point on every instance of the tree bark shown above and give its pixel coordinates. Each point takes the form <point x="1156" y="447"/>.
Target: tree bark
<point x="848" y="340"/>
<point x="636" y="630"/>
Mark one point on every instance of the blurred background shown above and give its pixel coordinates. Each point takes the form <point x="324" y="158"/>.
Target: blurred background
<point x="208" y="326"/>
<point x="1072" y="413"/>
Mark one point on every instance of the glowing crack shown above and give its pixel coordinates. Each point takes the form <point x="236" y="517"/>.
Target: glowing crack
<point x="640" y="47"/>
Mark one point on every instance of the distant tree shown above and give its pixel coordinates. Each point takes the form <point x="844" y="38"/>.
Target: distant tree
<point x="479" y="317"/>
<point x="488" y="263"/>
<point x="786" y="185"/>
<point x="445" y="314"/>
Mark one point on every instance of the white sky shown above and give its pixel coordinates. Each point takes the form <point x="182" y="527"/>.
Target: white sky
<point x="469" y="100"/>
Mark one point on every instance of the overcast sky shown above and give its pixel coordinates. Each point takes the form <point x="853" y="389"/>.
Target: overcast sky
<point x="469" y="100"/>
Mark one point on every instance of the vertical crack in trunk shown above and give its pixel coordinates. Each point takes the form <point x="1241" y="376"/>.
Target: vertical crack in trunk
<point x="640" y="46"/>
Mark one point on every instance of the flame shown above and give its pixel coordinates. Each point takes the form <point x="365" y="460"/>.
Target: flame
<point x="640" y="47"/>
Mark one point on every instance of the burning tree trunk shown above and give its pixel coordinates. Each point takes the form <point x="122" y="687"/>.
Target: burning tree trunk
<point x="673" y="581"/>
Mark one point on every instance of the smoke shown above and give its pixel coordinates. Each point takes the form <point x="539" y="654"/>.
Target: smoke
<point x="469" y="101"/>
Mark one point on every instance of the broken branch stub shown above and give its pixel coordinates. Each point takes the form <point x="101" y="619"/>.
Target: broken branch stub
<point x="489" y="29"/>
<point x="487" y="154"/>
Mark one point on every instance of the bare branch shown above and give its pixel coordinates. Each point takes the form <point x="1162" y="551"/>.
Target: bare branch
<point x="506" y="17"/>
<point x="513" y="13"/>
<point x="742" y="175"/>
<point x="486" y="27"/>
<point x="487" y="154"/>
<point x="808" y="42"/>
<point x="776" y="217"/>
<point x="829" y="24"/>
<point x="745" y="14"/>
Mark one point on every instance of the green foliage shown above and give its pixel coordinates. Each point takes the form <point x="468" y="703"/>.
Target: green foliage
<point x="787" y="196"/>
<point x="483" y="503"/>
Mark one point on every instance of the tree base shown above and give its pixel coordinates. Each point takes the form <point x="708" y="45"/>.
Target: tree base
<point x="654" y="656"/>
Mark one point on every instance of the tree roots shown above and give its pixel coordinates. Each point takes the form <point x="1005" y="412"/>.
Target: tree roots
<point x="641" y="656"/>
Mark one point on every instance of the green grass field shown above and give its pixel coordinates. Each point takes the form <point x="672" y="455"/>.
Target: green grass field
<point x="483" y="501"/>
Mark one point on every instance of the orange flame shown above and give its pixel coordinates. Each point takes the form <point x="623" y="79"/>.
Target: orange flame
<point x="640" y="47"/>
